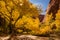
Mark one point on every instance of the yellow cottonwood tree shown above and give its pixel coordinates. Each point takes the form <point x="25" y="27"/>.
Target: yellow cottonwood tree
<point x="19" y="13"/>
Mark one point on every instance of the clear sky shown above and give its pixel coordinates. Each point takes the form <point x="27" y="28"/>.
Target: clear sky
<point x="43" y="3"/>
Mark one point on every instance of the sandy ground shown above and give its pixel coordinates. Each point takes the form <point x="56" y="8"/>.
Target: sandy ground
<point x="28" y="37"/>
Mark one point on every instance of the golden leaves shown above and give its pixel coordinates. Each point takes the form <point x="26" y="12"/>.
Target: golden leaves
<point x="57" y="21"/>
<point x="58" y="15"/>
<point x="45" y="29"/>
<point x="24" y="16"/>
<point x="48" y="19"/>
<point x="10" y="4"/>
<point x="28" y="21"/>
<point x="15" y="14"/>
<point x="2" y="3"/>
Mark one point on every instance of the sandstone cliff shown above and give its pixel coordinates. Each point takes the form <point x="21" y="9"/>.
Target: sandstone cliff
<point x="53" y="7"/>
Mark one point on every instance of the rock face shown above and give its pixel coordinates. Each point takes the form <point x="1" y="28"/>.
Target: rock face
<point x="41" y="17"/>
<point x="53" y="7"/>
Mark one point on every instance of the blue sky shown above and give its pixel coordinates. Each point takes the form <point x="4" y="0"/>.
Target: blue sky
<point x="43" y="3"/>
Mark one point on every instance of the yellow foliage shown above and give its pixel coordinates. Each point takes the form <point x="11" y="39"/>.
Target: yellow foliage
<point x="25" y="16"/>
<point x="28" y="22"/>
<point x="19" y="23"/>
<point x="58" y="15"/>
<point x="48" y="18"/>
<point x="15" y="14"/>
<point x="10" y="4"/>
<point x="51" y="24"/>
<point x="2" y="3"/>
<point x="45" y="29"/>
<point x="18" y="30"/>
<point x="57" y="21"/>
